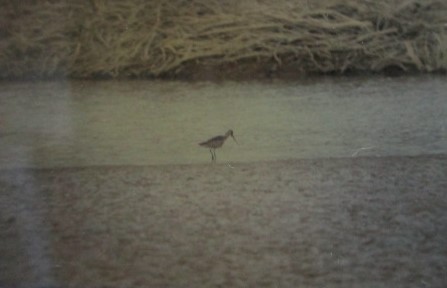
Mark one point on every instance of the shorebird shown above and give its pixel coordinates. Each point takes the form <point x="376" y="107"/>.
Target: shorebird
<point x="217" y="142"/>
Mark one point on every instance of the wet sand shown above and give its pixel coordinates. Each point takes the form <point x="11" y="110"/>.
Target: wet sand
<point x="334" y="222"/>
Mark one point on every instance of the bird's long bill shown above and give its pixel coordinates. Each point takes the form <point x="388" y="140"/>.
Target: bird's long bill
<point x="234" y="139"/>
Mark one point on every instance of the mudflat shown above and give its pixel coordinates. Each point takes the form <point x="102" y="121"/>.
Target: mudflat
<point x="333" y="222"/>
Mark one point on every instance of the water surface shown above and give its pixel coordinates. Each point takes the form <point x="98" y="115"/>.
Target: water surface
<point x="84" y="123"/>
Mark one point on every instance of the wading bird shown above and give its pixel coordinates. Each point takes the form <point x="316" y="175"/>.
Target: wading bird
<point x="217" y="142"/>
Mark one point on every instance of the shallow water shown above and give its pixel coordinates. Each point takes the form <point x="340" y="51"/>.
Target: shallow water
<point x="82" y="123"/>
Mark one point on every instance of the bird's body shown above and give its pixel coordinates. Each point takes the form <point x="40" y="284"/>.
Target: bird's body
<point x="217" y="142"/>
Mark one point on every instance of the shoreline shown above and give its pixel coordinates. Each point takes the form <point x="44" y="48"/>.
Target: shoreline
<point x="434" y="156"/>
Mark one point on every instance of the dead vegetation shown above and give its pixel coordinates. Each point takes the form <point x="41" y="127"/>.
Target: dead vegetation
<point x="151" y="38"/>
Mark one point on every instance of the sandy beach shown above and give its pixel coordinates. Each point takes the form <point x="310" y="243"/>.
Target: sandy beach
<point x="335" y="222"/>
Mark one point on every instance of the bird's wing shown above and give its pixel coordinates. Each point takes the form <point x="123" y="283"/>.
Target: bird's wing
<point x="217" y="138"/>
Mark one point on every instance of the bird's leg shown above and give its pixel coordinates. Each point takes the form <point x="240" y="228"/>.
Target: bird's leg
<point x="215" y="156"/>
<point x="212" y="155"/>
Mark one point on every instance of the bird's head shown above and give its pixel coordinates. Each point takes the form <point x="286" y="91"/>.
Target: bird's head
<point x="230" y="133"/>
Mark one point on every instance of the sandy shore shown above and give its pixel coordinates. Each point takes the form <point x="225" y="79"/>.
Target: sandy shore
<point x="352" y="222"/>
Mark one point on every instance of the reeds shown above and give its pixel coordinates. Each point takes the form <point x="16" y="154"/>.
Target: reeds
<point x="151" y="38"/>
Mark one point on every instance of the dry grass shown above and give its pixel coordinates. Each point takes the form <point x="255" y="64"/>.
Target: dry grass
<point x="151" y="38"/>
